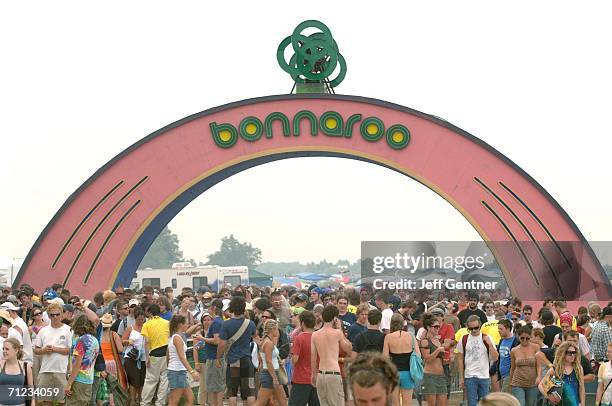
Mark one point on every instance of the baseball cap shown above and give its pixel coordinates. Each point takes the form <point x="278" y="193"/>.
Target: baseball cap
<point x="8" y="306"/>
<point x="133" y="302"/>
<point x="11" y="298"/>
<point x="302" y="297"/>
<point x="298" y="310"/>
<point x="226" y="303"/>
<point x="68" y="308"/>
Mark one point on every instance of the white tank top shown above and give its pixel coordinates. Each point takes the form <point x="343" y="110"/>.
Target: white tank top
<point x="174" y="362"/>
<point x="138" y="341"/>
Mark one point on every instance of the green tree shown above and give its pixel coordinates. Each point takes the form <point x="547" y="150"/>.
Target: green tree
<point x="233" y="252"/>
<point x="163" y="252"/>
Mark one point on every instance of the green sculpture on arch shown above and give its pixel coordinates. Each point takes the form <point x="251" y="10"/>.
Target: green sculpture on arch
<point x="315" y="57"/>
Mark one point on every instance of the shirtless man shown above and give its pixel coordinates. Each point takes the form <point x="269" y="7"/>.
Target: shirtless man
<point x="325" y="345"/>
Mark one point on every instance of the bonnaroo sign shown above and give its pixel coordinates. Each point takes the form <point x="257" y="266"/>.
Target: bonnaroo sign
<point x="99" y="236"/>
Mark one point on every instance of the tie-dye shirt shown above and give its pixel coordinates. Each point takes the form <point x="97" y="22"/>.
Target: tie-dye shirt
<point x="86" y="346"/>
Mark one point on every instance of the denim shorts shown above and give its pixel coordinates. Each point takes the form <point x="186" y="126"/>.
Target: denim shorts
<point x="177" y="379"/>
<point x="265" y="379"/>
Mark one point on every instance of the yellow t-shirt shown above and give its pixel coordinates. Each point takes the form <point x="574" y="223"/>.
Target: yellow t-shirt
<point x="352" y="309"/>
<point x="156" y="330"/>
<point x="490" y="329"/>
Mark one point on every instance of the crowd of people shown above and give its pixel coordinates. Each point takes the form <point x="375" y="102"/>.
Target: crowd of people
<point x="314" y="346"/>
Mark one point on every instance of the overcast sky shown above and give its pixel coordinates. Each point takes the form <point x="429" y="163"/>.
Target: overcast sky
<point x="81" y="82"/>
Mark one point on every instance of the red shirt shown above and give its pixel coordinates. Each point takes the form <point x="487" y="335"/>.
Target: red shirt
<point x="301" y="347"/>
<point x="447" y="331"/>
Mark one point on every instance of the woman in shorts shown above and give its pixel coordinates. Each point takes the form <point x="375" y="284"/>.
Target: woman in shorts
<point x="434" y="380"/>
<point x="399" y="345"/>
<point x="178" y="364"/>
<point x="269" y="377"/>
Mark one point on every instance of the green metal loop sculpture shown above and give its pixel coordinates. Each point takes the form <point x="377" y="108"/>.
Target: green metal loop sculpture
<point x="315" y="57"/>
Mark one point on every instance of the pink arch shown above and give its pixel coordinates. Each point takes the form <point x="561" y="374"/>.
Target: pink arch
<point x="104" y="228"/>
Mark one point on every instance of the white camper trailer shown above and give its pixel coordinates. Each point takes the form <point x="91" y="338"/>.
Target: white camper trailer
<point x="181" y="276"/>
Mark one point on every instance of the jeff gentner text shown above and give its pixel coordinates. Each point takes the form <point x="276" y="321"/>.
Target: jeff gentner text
<point x="416" y="284"/>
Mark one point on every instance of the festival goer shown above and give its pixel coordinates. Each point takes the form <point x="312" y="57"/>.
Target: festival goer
<point x="178" y="366"/>
<point x="240" y="371"/>
<point x="382" y="302"/>
<point x="280" y="309"/>
<point x="472" y="310"/>
<point x="524" y="369"/>
<point x="546" y="357"/>
<point x="604" y="377"/>
<point x="489" y="307"/>
<point x="135" y="357"/>
<point x="199" y="357"/>
<point x="566" y="367"/>
<point x="112" y="347"/>
<point x="14" y="373"/>
<point x="550" y="330"/>
<point x="372" y="379"/>
<point x="315" y="297"/>
<point x="399" y="346"/>
<point x="20" y="327"/>
<point x="78" y="389"/>
<point x="565" y="320"/>
<point x="347" y="318"/>
<point x="361" y="325"/>
<point x="155" y="332"/>
<point x="602" y="335"/>
<point x="302" y="390"/>
<point x="326" y="345"/>
<point x="371" y="339"/>
<point x="271" y="387"/>
<point x="434" y="386"/>
<point x="121" y="324"/>
<point x="52" y="346"/>
<point x="475" y="350"/>
<point x="215" y="376"/>
<point x="506" y="344"/>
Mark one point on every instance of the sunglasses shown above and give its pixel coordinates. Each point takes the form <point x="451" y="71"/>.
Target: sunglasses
<point x="527" y="314"/>
<point x="54" y="314"/>
<point x="473" y="328"/>
<point x="525" y="338"/>
<point x="570" y="353"/>
<point x="436" y="326"/>
<point x="36" y="314"/>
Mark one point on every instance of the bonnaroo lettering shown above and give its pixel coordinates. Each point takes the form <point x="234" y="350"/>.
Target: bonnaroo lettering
<point x="330" y="123"/>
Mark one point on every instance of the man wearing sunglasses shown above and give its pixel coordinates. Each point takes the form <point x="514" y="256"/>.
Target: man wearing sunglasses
<point x="53" y="344"/>
<point x="475" y="349"/>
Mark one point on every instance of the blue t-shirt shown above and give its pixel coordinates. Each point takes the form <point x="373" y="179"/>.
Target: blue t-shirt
<point x="505" y="346"/>
<point x="348" y="320"/>
<point x="210" y="350"/>
<point x="355" y="330"/>
<point x="241" y="348"/>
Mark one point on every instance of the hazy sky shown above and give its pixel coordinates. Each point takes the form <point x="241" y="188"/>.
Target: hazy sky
<point x="81" y="81"/>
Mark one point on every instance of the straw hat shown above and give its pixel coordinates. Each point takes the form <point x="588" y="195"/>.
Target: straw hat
<point x="107" y="320"/>
<point x="6" y="316"/>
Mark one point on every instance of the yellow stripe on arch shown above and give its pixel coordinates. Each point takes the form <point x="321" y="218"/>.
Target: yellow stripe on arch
<point x="323" y="149"/>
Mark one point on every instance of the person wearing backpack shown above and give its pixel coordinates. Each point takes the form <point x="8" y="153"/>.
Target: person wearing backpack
<point x="235" y="338"/>
<point x="372" y="339"/>
<point x="475" y="349"/>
